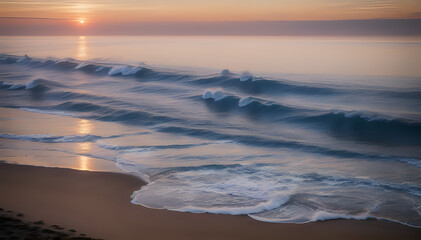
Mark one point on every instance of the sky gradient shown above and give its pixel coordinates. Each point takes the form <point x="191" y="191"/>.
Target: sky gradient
<point x="21" y="16"/>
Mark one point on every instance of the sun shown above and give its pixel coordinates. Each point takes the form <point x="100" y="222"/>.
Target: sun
<point x="81" y="21"/>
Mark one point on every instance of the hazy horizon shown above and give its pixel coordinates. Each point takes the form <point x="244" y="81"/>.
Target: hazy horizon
<point x="360" y="27"/>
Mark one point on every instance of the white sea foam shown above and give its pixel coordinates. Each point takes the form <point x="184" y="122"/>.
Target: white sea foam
<point x="64" y="114"/>
<point x="7" y="83"/>
<point x="308" y="215"/>
<point x="29" y="85"/>
<point x="274" y="202"/>
<point x="116" y="70"/>
<point x="124" y="147"/>
<point x="411" y="161"/>
<point x="131" y="71"/>
<point x="100" y="68"/>
<point x="16" y="86"/>
<point x="32" y="84"/>
<point x="61" y="61"/>
<point x="13" y="86"/>
<point x="224" y="141"/>
<point x="245" y="101"/>
<point x="216" y="95"/>
<point x="264" y="193"/>
<point x="112" y="147"/>
<point x="81" y="65"/>
<point x="23" y="58"/>
<point x="324" y="215"/>
<point x="124" y="70"/>
<point x="227" y="190"/>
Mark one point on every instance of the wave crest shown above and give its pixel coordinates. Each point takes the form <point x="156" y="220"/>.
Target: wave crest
<point x="46" y="138"/>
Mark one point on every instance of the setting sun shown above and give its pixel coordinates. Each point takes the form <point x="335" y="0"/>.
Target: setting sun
<point x="81" y="21"/>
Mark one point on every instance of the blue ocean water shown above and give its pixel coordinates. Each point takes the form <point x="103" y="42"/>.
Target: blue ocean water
<point x="293" y="147"/>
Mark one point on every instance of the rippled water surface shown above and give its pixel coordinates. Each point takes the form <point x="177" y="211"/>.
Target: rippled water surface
<point x="281" y="129"/>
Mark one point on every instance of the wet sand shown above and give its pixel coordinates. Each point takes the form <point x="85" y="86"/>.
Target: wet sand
<point x="98" y="205"/>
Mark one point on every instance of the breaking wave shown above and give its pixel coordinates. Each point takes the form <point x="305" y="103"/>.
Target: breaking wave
<point x="274" y="149"/>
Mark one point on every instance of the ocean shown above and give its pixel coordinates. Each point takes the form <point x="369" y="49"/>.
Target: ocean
<point x="282" y="129"/>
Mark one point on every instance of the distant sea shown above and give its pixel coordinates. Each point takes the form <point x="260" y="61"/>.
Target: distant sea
<point x="283" y="129"/>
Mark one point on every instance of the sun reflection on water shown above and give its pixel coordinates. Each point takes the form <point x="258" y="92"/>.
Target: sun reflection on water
<point x="84" y="127"/>
<point x="84" y="147"/>
<point x="84" y="163"/>
<point x="82" y="48"/>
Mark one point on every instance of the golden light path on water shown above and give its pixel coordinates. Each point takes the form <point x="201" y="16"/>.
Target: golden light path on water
<point x="82" y="48"/>
<point x="84" y="127"/>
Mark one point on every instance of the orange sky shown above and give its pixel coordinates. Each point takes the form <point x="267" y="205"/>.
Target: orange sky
<point x="207" y="10"/>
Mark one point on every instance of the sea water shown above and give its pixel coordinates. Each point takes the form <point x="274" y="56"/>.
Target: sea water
<point x="282" y="129"/>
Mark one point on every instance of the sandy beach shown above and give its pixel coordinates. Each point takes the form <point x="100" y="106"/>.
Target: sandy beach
<point x="98" y="205"/>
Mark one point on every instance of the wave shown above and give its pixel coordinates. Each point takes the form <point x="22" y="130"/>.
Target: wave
<point x="216" y="95"/>
<point x="313" y="217"/>
<point x="359" y="126"/>
<point x="253" y="85"/>
<point x="59" y="113"/>
<point x="81" y="107"/>
<point x="340" y="125"/>
<point x="272" y="203"/>
<point x="143" y="147"/>
<point x="171" y="102"/>
<point x="266" y="193"/>
<point x="362" y="182"/>
<point x="364" y="128"/>
<point x="268" y="142"/>
<point x="307" y="215"/>
<point x="38" y="85"/>
<point x="106" y="113"/>
<point x="321" y="215"/>
<point x="246" y="76"/>
<point x="125" y="70"/>
<point x="253" y="104"/>
<point x="69" y="95"/>
<point x="279" y="143"/>
<point x="245" y="82"/>
<point x="89" y="67"/>
<point x="71" y="64"/>
<point x="411" y="161"/>
<point x="258" y="85"/>
<point x="349" y="123"/>
<point x="12" y="86"/>
<point x="46" y="138"/>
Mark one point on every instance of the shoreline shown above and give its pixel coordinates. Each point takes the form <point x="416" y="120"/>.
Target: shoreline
<point x="98" y="204"/>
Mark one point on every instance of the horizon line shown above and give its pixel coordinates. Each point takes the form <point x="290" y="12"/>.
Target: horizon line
<point x="223" y="21"/>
